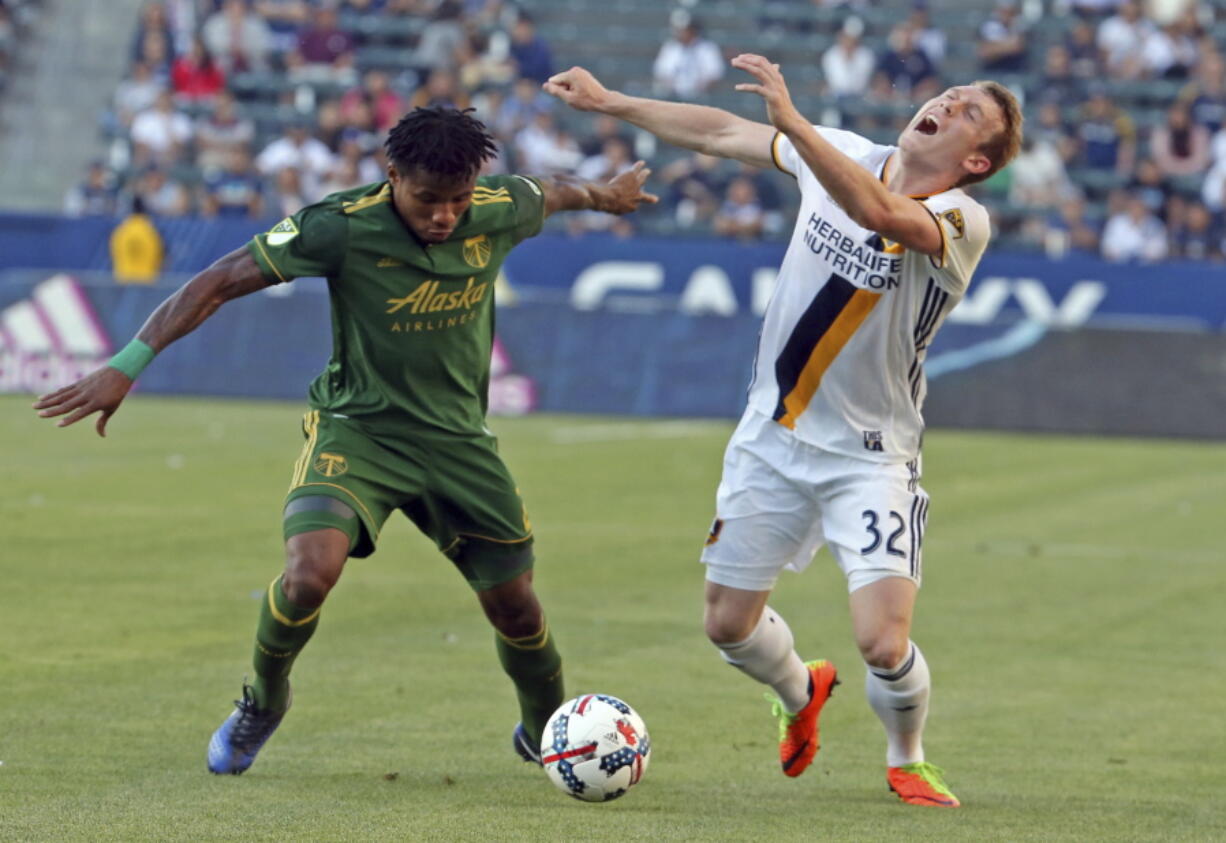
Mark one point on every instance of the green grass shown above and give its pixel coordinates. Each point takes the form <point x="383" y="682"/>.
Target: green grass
<point x="1071" y="616"/>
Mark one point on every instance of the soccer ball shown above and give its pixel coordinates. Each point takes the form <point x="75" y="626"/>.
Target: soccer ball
<point x="595" y="748"/>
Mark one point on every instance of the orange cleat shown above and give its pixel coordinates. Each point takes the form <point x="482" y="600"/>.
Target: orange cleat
<point x="798" y="735"/>
<point x="921" y="784"/>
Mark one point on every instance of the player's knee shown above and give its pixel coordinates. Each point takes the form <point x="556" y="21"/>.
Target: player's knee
<point x="884" y="651"/>
<point x="310" y="573"/>
<point x="513" y="609"/>
<point x="725" y="628"/>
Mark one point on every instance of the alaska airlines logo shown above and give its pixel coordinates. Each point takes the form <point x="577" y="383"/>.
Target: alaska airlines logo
<point x="427" y="298"/>
<point x="954" y="217"/>
<point x="331" y="465"/>
<point x="477" y="251"/>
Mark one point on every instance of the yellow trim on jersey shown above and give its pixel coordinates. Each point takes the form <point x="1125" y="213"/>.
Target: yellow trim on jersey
<point x="490" y="539"/>
<point x="491" y="199"/>
<point x="282" y="619"/>
<point x="944" y="239"/>
<point x="384" y="195"/>
<point x="775" y="155"/>
<point x="828" y="347"/>
<point x="497" y="190"/>
<point x="310" y="425"/>
<point x="264" y="252"/>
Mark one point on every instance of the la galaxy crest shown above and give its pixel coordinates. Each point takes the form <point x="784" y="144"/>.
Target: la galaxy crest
<point x="954" y="217"/>
<point x="477" y="251"/>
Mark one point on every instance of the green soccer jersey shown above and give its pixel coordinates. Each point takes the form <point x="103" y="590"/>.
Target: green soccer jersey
<point x="412" y="324"/>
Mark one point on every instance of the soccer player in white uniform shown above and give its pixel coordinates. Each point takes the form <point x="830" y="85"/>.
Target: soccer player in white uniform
<point x="828" y="450"/>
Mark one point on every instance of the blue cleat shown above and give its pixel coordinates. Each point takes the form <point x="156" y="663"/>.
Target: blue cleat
<point x="522" y="745"/>
<point x="235" y="743"/>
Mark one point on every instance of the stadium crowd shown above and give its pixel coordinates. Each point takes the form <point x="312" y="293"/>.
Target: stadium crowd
<point x="16" y="18"/>
<point x="258" y="107"/>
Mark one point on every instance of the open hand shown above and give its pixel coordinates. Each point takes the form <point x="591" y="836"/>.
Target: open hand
<point x="772" y="88"/>
<point x="624" y="192"/>
<point x="101" y="391"/>
<point x="579" y="89"/>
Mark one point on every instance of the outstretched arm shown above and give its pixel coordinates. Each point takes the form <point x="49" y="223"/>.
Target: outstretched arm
<point x="102" y="391"/>
<point x="712" y="131"/>
<point x="620" y="195"/>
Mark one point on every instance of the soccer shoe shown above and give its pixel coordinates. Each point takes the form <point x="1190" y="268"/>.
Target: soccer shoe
<point x="236" y="742"/>
<point x="522" y="745"/>
<point x="798" y="735"/>
<point x="921" y="784"/>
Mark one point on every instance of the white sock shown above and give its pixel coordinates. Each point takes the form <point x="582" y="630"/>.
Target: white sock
<point x="900" y="698"/>
<point x="768" y="656"/>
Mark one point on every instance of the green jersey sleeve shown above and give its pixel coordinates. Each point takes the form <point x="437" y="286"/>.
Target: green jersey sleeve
<point x="524" y="213"/>
<point x="309" y="243"/>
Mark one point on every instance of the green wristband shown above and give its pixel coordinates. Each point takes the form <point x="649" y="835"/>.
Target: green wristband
<point x="133" y="359"/>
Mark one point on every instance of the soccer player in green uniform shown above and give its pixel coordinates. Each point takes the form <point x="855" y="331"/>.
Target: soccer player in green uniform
<point x="397" y="419"/>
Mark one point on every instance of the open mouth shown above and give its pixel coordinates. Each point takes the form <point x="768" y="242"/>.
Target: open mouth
<point x="928" y="125"/>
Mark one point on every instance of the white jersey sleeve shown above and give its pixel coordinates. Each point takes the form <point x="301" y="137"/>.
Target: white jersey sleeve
<point x="965" y="229"/>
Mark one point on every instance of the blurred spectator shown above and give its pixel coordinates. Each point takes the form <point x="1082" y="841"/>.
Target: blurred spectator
<point x="1121" y="38"/>
<point x="97" y="196"/>
<point x="1198" y="238"/>
<point x="1207" y="94"/>
<point x="694" y="188"/>
<point x="136" y="93"/>
<point x="1049" y="126"/>
<point x="343" y="176"/>
<point x="160" y="133"/>
<point x="519" y="110"/>
<point x="234" y="191"/>
<point x="136" y="248"/>
<point x="908" y="68"/>
<point x="194" y="76"/>
<point x="284" y="19"/>
<point x="1056" y="81"/>
<point x="298" y="149"/>
<point x="484" y="61"/>
<point x="531" y="55"/>
<point x="1068" y="228"/>
<point x="1134" y="234"/>
<point x="687" y="64"/>
<point x="1179" y="147"/>
<point x="1169" y="52"/>
<point x="160" y="194"/>
<point x="1106" y="134"/>
<point x="1039" y="177"/>
<point x="237" y="38"/>
<point x="740" y="215"/>
<point x="928" y="38"/>
<point x="324" y="51"/>
<point x="1084" y="56"/>
<point x="604" y="128"/>
<point x="387" y="106"/>
<point x="1213" y="193"/>
<point x="288" y="194"/>
<point x="1149" y="185"/>
<point x="614" y="158"/>
<point x="1002" y="40"/>
<point x="221" y="131"/>
<point x="441" y="88"/>
<point x="152" y="19"/>
<point x="544" y="149"/>
<point x="847" y="67"/>
<point x="155" y="52"/>
<point x="442" y="39"/>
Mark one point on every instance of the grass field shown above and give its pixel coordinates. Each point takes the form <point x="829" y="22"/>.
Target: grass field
<point x="1072" y="617"/>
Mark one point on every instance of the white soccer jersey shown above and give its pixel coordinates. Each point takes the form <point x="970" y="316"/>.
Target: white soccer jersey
<point x="840" y="358"/>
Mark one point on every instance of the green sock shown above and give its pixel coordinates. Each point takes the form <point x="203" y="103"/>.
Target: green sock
<point x="283" y="631"/>
<point x="535" y="667"/>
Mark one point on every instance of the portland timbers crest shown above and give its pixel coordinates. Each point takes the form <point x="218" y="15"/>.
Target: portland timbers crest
<point x="282" y="232"/>
<point x="477" y="251"/>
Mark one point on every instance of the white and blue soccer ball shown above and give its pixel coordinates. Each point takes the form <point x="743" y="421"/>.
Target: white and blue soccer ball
<point x="595" y="748"/>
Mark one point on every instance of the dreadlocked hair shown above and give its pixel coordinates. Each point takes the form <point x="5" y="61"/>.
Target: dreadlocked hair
<point x="440" y="140"/>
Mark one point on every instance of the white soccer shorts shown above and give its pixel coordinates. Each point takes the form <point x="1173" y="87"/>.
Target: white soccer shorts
<point x="781" y="499"/>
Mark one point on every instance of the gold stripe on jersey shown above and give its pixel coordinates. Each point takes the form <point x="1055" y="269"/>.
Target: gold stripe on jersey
<point x="775" y="155"/>
<point x="491" y="198"/>
<point x="264" y="252"/>
<point x="828" y="347"/>
<point x="310" y="425"/>
<point x="384" y="195"/>
<point x="944" y="240"/>
<point x="483" y="189"/>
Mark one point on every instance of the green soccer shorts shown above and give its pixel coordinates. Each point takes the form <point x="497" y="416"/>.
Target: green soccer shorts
<point x="455" y="488"/>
